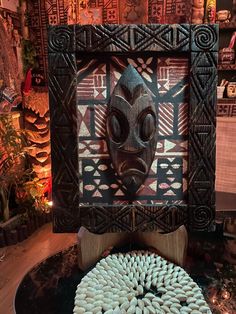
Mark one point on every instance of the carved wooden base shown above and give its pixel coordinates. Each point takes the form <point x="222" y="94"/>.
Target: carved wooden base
<point x="171" y="246"/>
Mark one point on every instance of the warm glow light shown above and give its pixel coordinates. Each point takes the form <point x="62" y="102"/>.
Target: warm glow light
<point x="214" y="300"/>
<point x="50" y="203"/>
<point x="226" y="294"/>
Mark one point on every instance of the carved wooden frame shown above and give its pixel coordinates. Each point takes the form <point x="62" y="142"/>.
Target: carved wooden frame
<point x="201" y="42"/>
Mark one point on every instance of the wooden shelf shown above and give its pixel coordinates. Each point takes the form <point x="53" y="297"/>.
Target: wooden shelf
<point x="227" y="67"/>
<point x="226" y="107"/>
<point x="230" y="25"/>
<point x="226" y="101"/>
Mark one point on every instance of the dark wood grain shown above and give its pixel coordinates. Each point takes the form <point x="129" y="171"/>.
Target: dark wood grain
<point x="201" y="43"/>
<point x="131" y="129"/>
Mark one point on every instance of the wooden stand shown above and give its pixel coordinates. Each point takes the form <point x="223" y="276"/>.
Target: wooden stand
<point x="171" y="246"/>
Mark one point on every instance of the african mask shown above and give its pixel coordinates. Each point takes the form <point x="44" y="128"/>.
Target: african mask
<point x="131" y="129"/>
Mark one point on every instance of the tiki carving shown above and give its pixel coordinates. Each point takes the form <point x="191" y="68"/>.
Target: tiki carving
<point x="36" y="116"/>
<point x="131" y="129"/>
<point x="197" y="11"/>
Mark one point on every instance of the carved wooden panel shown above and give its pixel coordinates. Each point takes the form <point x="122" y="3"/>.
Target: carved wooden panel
<point x="68" y="44"/>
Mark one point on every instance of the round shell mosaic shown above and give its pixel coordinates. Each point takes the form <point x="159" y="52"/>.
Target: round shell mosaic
<point x="138" y="282"/>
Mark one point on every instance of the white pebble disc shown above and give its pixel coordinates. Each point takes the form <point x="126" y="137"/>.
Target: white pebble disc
<point x="139" y="282"/>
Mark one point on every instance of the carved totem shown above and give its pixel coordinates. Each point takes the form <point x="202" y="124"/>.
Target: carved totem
<point x="131" y="129"/>
<point x="36" y="116"/>
<point x="197" y="11"/>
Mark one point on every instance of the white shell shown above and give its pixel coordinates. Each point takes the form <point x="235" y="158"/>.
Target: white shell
<point x="171" y="293"/>
<point x="193" y="306"/>
<point x="96" y="309"/>
<point x="125" y="305"/>
<point x="131" y="309"/>
<point x="158" y="300"/>
<point x="166" y="309"/>
<point x="151" y="309"/>
<point x="174" y="310"/>
<point x="109" y="311"/>
<point x="147" y="301"/>
<point x="79" y="310"/>
<point x="191" y="300"/>
<point x="204" y="309"/>
<point x="181" y="297"/>
<point x="186" y="309"/>
<point x="141" y="304"/>
<point x="134" y="301"/>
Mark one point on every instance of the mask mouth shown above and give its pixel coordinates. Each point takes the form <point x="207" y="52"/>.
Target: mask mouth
<point x="132" y="173"/>
<point x="133" y="165"/>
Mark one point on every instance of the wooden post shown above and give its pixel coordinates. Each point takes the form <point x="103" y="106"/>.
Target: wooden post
<point x="91" y="245"/>
<point x="172" y="246"/>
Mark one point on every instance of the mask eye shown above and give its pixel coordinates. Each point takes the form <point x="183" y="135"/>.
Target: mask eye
<point x="147" y="127"/>
<point x="117" y="127"/>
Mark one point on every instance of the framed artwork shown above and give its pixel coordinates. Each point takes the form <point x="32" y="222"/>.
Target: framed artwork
<point x="177" y="64"/>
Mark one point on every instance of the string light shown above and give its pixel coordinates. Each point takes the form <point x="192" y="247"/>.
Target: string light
<point x="214" y="300"/>
<point x="225" y="294"/>
<point x="220" y="301"/>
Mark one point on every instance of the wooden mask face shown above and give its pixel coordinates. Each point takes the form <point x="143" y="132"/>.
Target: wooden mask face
<point x="131" y="129"/>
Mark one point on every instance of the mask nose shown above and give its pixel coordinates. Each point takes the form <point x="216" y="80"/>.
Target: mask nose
<point x="132" y="144"/>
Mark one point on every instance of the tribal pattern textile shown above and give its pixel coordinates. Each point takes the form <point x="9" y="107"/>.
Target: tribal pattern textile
<point x="166" y="77"/>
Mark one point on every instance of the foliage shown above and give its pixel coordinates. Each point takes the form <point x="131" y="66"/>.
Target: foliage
<point x="29" y="55"/>
<point x="30" y="191"/>
<point x="31" y="195"/>
<point x="14" y="147"/>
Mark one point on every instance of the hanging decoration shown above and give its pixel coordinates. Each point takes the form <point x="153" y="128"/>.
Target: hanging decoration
<point x="9" y="72"/>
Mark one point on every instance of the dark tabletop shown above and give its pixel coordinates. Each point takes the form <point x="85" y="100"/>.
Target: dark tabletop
<point x="49" y="288"/>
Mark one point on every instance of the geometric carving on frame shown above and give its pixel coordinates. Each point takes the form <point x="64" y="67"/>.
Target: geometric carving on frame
<point x="61" y="39"/>
<point x="65" y="220"/>
<point x="163" y="37"/>
<point x="166" y="217"/>
<point x="205" y="37"/>
<point x="133" y="218"/>
<point x="68" y="43"/>
<point x="122" y="38"/>
<point x="201" y="217"/>
<point x="102" y="38"/>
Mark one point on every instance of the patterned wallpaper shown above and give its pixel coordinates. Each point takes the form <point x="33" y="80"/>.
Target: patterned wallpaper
<point x="10" y="5"/>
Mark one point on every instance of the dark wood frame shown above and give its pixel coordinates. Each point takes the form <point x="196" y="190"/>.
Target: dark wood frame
<point x="201" y="43"/>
